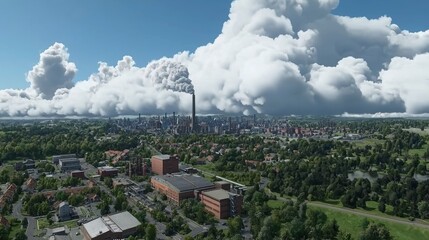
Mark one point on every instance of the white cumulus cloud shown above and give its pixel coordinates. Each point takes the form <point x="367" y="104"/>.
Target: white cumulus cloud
<point x="272" y="56"/>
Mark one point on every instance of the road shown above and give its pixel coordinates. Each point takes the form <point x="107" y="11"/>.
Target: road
<point x="31" y="228"/>
<point x="16" y="210"/>
<point x="416" y="223"/>
<point x="32" y="222"/>
<point x="196" y="228"/>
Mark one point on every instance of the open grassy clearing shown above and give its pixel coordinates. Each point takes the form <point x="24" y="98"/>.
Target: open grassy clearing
<point x="418" y="131"/>
<point x="43" y="223"/>
<point x="368" y="141"/>
<point x="352" y="223"/>
<point x="419" y="151"/>
<point x="275" y="204"/>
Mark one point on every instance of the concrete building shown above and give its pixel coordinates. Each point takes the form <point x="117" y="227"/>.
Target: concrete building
<point x="69" y="164"/>
<point x="180" y="187"/>
<point x="121" y="182"/>
<point x="107" y="171"/>
<point x="56" y="158"/>
<point x="116" y="226"/>
<point x="221" y="203"/>
<point x="164" y="164"/>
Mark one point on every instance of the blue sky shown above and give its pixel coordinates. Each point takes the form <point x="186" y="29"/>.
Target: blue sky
<point x="106" y="30"/>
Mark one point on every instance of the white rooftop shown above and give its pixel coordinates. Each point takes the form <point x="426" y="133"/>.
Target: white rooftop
<point x="125" y="220"/>
<point x="118" y="222"/>
<point x="96" y="227"/>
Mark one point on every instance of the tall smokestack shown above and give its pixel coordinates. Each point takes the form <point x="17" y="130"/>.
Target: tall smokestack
<point x="194" y="120"/>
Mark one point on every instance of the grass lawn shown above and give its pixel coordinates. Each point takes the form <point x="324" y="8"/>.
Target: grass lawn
<point x="351" y="223"/>
<point x="69" y="224"/>
<point x="372" y="206"/>
<point x="368" y="141"/>
<point x="275" y="203"/>
<point x="42" y="223"/>
<point x="418" y="131"/>
<point x="419" y="151"/>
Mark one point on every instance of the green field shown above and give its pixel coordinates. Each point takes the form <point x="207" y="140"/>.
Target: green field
<point x="368" y="141"/>
<point x="351" y="223"/>
<point x="43" y="223"/>
<point x="419" y="151"/>
<point x="275" y="203"/>
<point x="418" y="131"/>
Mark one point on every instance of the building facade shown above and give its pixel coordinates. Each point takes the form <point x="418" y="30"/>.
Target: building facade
<point x="107" y="171"/>
<point x="56" y="158"/>
<point x="180" y="187"/>
<point x="69" y="164"/>
<point x="221" y="203"/>
<point x="164" y="164"/>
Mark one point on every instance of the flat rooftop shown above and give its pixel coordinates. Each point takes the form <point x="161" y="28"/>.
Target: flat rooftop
<point x="218" y="194"/>
<point x="118" y="222"/>
<point x="184" y="183"/>
<point x="96" y="227"/>
<point x="125" y="220"/>
<point x="68" y="160"/>
<point x="162" y="157"/>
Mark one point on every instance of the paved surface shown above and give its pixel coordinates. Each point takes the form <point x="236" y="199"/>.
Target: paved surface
<point x="31" y="228"/>
<point x="16" y="210"/>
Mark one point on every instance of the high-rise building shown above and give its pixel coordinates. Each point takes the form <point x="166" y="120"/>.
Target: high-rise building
<point x="164" y="164"/>
<point x="194" y="119"/>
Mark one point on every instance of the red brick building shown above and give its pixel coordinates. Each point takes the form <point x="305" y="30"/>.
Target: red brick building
<point x="107" y="171"/>
<point x="164" y="164"/>
<point x="221" y="203"/>
<point x="78" y="174"/>
<point x="180" y="187"/>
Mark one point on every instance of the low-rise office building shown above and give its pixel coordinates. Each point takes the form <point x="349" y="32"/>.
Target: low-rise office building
<point x="221" y="203"/>
<point x="116" y="226"/>
<point x="180" y="187"/>
<point x="107" y="171"/>
<point x="69" y="164"/>
<point x="56" y="158"/>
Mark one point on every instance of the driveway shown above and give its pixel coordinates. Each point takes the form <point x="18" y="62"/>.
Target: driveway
<point x="16" y="210"/>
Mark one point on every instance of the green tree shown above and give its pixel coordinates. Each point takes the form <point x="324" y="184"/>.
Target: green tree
<point x="24" y="222"/>
<point x="234" y="226"/>
<point x="150" y="233"/>
<point x="20" y="235"/>
<point x="376" y="232"/>
<point x="423" y="208"/>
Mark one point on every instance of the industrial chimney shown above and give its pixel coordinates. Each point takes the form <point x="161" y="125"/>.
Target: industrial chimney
<point x="194" y="120"/>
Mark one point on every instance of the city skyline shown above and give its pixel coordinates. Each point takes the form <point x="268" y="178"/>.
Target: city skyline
<point x="269" y="57"/>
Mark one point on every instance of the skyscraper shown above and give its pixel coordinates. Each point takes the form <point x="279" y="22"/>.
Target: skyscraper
<point x="194" y="119"/>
